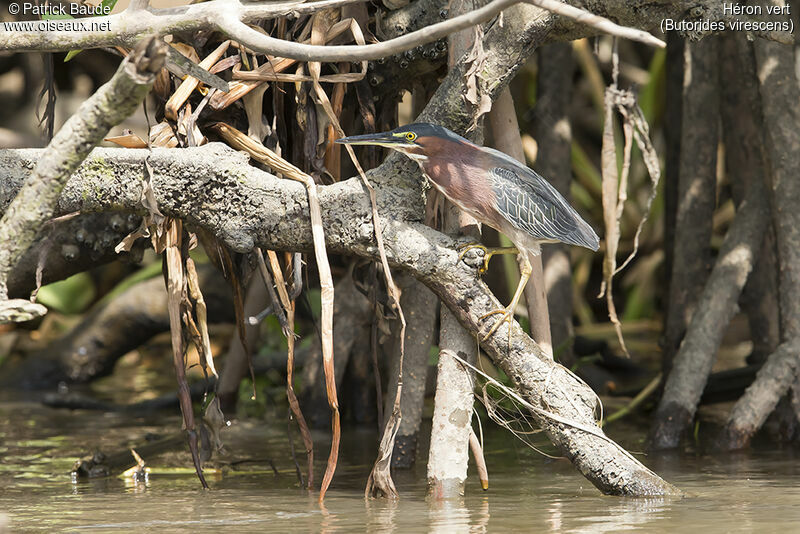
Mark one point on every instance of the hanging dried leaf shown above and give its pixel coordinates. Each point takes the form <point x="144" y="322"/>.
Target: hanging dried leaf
<point x="202" y="315"/>
<point x="634" y="127"/>
<point x="475" y="94"/>
<point x="127" y="140"/>
<point x="170" y="241"/>
<point x="162" y="135"/>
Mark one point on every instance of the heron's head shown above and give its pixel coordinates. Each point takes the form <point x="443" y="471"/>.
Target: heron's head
<point x="418" y="141"/>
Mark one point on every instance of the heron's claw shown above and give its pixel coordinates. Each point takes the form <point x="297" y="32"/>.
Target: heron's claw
<point x="508" y="316"/>
<point x="486" y="255"/>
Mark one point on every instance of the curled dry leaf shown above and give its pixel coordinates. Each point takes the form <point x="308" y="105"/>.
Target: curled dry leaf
<point x="202" y="315"/>
<point x="473" y="81"/>
<point x="127" y="140"/>
<point x="162" y="135"/>
<point x="154" y="219"/>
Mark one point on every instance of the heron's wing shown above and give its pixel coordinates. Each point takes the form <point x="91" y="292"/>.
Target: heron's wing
<point x="531" y="204"/>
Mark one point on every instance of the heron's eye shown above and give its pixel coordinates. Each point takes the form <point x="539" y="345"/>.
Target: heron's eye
<point x="411" y="136"/>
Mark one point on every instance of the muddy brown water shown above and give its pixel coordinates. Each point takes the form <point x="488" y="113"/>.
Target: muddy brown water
<point x="754" y="492"/>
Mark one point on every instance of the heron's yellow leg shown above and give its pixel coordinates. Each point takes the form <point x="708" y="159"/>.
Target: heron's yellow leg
<point x="487" y="253"/>
<point x="508" y="312"/>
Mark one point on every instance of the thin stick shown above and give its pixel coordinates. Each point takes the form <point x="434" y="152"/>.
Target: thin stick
<point x="640" y="397"/>
<point x="480" y="461"/>
<point x="597" y="22"/>
<point x="294" y="404"/>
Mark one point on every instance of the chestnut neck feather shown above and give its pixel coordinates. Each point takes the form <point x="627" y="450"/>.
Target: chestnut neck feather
<point x="458" y="172"/>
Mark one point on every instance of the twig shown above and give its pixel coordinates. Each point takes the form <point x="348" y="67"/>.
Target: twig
<point x="232" y="26"/>
<point x="480" y="461"/>
<point x="293" y="404"/>
<point x="231" y="18"/>
<point x="594" y="431"/>
<point x="640" y="397"/>
<point x="597" y="22"/>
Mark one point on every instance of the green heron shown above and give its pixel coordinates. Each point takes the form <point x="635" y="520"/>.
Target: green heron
<point x="492" y="187"/>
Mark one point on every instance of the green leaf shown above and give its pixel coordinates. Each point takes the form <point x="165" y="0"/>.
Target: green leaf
<point x="69" y="296"/>
<point x="72" y="53"/>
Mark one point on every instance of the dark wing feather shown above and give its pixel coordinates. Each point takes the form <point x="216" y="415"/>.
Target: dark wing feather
<point x="532" y="205"/>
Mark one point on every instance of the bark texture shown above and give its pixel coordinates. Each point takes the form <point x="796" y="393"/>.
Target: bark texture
<point x="452" y="406"/>
<point x="715" y="309"/>
<point x="761" y="397"/>
<point x="779" y="90"/>
<point x="672" y="135"/>
<point x="452" y="418"/>
<point x="420" y="308"/>
<point x="742" y="124"/>
<point x="73" y="246"/>
<point x="552" y="131"/>
<point x="691" y="256"/>
<point x="113" y="102"/>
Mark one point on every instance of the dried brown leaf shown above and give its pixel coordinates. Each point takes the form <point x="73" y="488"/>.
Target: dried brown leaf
<point x="128" y="140"/>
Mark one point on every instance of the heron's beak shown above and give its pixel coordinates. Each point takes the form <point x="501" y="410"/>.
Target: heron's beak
<point x="385" y="139"/>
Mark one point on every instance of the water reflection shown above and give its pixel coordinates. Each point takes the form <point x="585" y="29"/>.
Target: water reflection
<point x="626" y="514"/>
<point x="448" y="516"/>
<point x="381" y="515"/>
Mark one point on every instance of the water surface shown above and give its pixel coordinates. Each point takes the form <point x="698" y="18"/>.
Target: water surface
<point x="757" y="491"/>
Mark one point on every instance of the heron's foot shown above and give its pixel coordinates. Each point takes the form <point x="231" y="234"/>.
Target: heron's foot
<point x="464" y="250"/>
<point x="487" y="253"/>
<point x="508" y="316"/>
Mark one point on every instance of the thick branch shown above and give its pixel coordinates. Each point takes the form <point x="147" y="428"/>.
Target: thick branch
<point x="715" y="309"/>
<point x="128" y="27"/>
<point x="759" y="400"/>
<point x="215" y="188"/>
<point x="696" y="189"/>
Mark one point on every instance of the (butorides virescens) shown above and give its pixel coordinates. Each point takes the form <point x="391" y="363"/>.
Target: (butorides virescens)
<point x="492" y="187"/>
